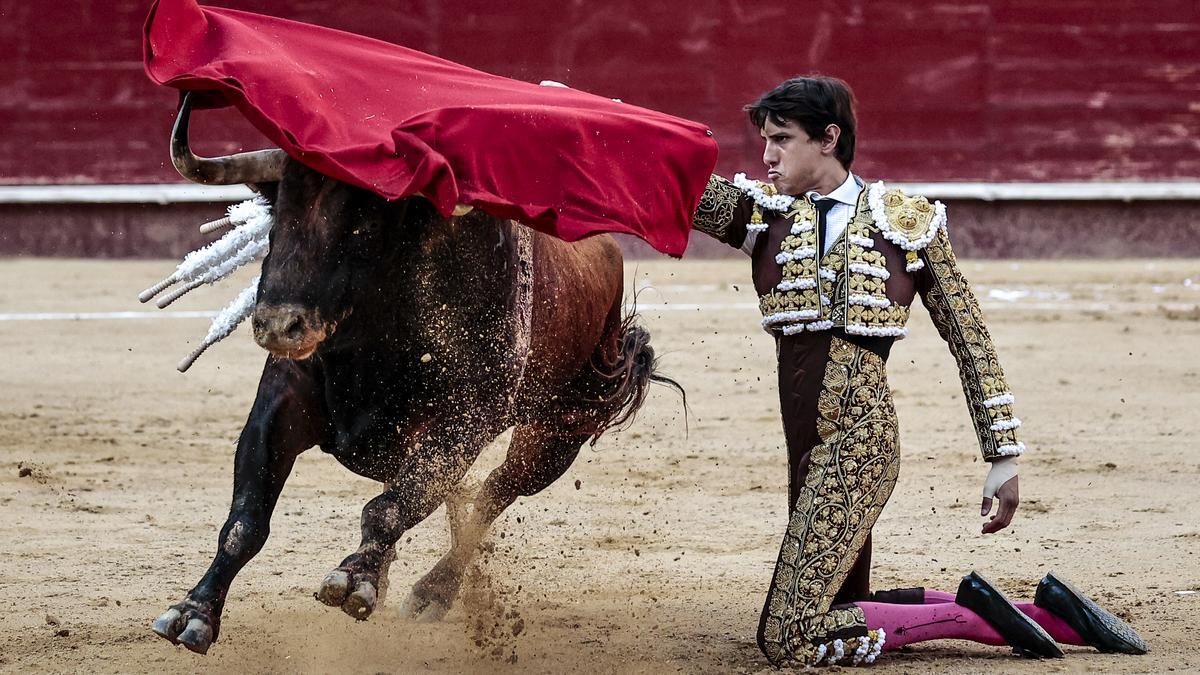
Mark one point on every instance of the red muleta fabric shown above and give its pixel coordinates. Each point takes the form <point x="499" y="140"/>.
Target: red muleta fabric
<point x="397" y="122"/>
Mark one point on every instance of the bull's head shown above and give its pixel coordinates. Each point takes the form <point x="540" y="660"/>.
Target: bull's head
<point x="330" y="242"/>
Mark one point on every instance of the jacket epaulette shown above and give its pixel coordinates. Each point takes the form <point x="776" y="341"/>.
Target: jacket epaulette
<point x="908" y="222"/>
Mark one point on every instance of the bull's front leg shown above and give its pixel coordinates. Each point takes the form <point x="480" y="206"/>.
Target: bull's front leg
<point x="287" y="418"/>
<point x="423" y="481"/>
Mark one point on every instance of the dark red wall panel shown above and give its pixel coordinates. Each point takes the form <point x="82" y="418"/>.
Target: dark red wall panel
<point x="1001" y="90"/>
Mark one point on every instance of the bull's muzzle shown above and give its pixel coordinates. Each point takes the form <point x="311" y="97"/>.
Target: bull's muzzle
<point x="289" y="331"/>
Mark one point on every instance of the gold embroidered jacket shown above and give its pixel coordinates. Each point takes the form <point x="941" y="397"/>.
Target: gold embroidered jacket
<point x="894" y="248"/>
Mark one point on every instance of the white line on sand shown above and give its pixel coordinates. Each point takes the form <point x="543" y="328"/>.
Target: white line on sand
<point x="1060" y="306"/>
<point x="1053" y="306"/>
<point x="103" y="316"/>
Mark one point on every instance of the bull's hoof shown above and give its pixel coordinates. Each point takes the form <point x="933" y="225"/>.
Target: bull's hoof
<point x="355" y="594"/>
<point x="190" y="624"/>
<point x="424" y="608"/>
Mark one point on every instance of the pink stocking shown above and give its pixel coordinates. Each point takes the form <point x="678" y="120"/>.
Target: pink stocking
<point x="906" y="624"/>
<point x="1056" y="627"/>
<point x="933" y="597"/>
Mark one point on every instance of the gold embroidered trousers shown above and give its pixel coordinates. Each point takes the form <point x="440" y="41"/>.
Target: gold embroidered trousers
<point x="842" y="476"/>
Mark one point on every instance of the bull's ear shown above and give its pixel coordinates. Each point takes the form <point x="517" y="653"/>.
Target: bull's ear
<point x="268" y="191"/>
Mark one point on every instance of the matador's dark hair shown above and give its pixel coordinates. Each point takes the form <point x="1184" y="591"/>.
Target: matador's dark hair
<point x="812" y="102"/>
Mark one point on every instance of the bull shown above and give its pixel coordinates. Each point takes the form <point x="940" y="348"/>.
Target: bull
<point x="402" y="342"/>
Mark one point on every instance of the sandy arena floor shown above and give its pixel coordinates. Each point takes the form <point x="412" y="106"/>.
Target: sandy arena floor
<point x="652" y="554"/>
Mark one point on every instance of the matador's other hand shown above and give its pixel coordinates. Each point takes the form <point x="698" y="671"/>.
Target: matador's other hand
<point x="1002" y="483"/>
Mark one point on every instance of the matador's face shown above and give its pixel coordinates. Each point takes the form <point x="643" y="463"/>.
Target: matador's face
<point x="795" y="163"/>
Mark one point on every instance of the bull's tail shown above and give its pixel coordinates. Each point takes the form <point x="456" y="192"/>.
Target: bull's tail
<point x="623" y="377"/>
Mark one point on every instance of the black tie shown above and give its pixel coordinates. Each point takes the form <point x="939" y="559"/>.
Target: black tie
<point x="823" y="206"/>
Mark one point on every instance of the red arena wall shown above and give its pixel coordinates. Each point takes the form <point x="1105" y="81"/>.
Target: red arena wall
<point x="948" y="92"/>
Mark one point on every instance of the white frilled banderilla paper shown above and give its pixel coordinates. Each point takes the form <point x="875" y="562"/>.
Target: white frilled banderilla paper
<point x="245" y="243"/>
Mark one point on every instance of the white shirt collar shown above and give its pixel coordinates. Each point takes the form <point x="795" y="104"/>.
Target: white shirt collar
<point x="846" y="193"/>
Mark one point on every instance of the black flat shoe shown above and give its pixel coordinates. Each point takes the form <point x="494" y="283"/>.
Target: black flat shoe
<point x="900" y="596"/>
<point x="1022" y="633"/>
<point x="1096" y="626"/>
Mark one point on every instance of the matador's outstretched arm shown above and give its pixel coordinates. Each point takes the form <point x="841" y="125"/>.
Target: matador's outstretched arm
<point x="723" y="212"/>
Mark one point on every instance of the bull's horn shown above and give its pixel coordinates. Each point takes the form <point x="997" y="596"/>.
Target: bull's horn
<point x="260" y="166"/>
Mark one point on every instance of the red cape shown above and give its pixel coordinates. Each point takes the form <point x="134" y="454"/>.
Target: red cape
<point x="397" y="122"/>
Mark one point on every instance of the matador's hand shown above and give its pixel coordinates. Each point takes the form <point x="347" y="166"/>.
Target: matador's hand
<point x="1001" y="482"/>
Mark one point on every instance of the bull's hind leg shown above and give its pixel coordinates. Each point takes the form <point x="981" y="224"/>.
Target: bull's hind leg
<point x="536" y="458"/>
<point x="357" y="584"/>
<point x="287" y="418"/>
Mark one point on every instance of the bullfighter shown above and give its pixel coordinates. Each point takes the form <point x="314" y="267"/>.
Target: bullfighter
<point x="836" y="263"/>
